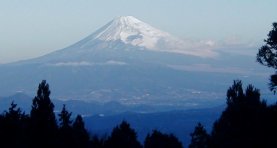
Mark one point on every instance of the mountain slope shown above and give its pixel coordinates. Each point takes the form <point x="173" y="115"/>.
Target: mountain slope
<point x="130" y="62"/>
<point x="132" y="31"/>
<point x="127" y="33"/>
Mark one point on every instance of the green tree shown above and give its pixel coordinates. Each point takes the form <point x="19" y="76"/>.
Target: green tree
<point x="123" y="137"/>
<point x="199" y="138"/>
<point x="160" y="140"/>
<point x="267" y="55"/>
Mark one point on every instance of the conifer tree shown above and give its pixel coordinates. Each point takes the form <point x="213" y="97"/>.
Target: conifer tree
<point x="81" y="136"/>
<point x="123" y="136"/>
<point x="66" y="135"/>
<point x="267" y="55"/>
<point x="13" y="129"/>
<point x="79" y="123"/>
<point x="242" y="123"/>
<point x="65" y="121"/>
<point x="43" y="120"/>
<point x="97" y="142"/>
<point x="199" y="138"/>
<point x="160" y="140"/>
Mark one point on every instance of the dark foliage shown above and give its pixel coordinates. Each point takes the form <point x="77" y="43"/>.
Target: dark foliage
<point x="81" y="136"/>
<point x="65" y="122"/>
<point x="40" y="129"/>
<point x="97" y="142"/>
<point x="160" y="140"/>
<point x="123" y="136"/>
<point x="13" y="126"/>
<point x="65" y="131"/>
<point x="267" y="55"/>
<point x="245" y="121"/>
<point x="43" y="121"/>
<point x="199" y="138"/>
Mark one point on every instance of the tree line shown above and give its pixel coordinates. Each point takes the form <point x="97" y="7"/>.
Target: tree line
<point x="247" y="121"/>
<point x="41" y="128"/>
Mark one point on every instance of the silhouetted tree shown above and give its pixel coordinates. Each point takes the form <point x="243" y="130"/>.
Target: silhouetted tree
<point x="267" y="55"/>
<point x="199" y="138"/>
<point x="13" y="128"/>
<point x="3" y="131"/>
<point x="123" y="137"/>
<point x="64" y="119"/>
<point x="66" y="135"/>
<point x="81" y="136"/>
<point x="243" y="122"/>
<point x="43" y="120"/>
<point x="97" y="142"/>
<point x="271" y="125"/>
<point x="160" y="140"/>
<point x="39" y="129"/>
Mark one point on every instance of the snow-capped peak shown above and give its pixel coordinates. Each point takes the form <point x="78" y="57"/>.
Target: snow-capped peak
<point x="132" y="31"/>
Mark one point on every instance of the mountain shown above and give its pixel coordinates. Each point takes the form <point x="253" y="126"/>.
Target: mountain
<point x="125" y="33"/>
<point x="131" y="31"/>
<point x="131" y="62"/>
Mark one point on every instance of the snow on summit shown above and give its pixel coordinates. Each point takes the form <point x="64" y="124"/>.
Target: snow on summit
<point x="125" y="32"/>
<point x="135" y="32"/>
<point x="132" y="31"/>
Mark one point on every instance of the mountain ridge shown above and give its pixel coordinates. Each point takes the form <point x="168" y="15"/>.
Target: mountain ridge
<point x="127" y="33"/>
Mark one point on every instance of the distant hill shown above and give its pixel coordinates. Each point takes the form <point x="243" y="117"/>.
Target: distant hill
<point x="85" y="108"/>
<point x="180" y="123"/>
<point x="101" y="118"/>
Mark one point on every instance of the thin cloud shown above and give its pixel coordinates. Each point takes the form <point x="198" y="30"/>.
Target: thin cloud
<point x="84" y="63"/>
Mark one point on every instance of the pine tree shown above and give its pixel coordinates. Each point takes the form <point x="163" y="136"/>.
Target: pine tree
<point x="64" y="119"/>
<point x="270" y="125"/>
<point x="160" y="140"/>
<point x="42" y="113"/>
<point x="43" y="120"/>
<point x="267" y="55"/>
<point x="13" y="127"/>
<point x="66" y="135"/>
<point x="79" y="123"/>
<point x="81" y="136"/>
<point x="199" y="138"/>
<point x="242" y="123"/>
<point x="97" y="142"/>
<point x="123" y="137"/>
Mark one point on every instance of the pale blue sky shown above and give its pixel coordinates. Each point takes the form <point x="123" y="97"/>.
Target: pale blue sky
<point x="29" y="28"/>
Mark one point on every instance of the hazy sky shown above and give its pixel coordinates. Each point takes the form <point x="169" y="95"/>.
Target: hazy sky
<point x="29" y="28"/>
